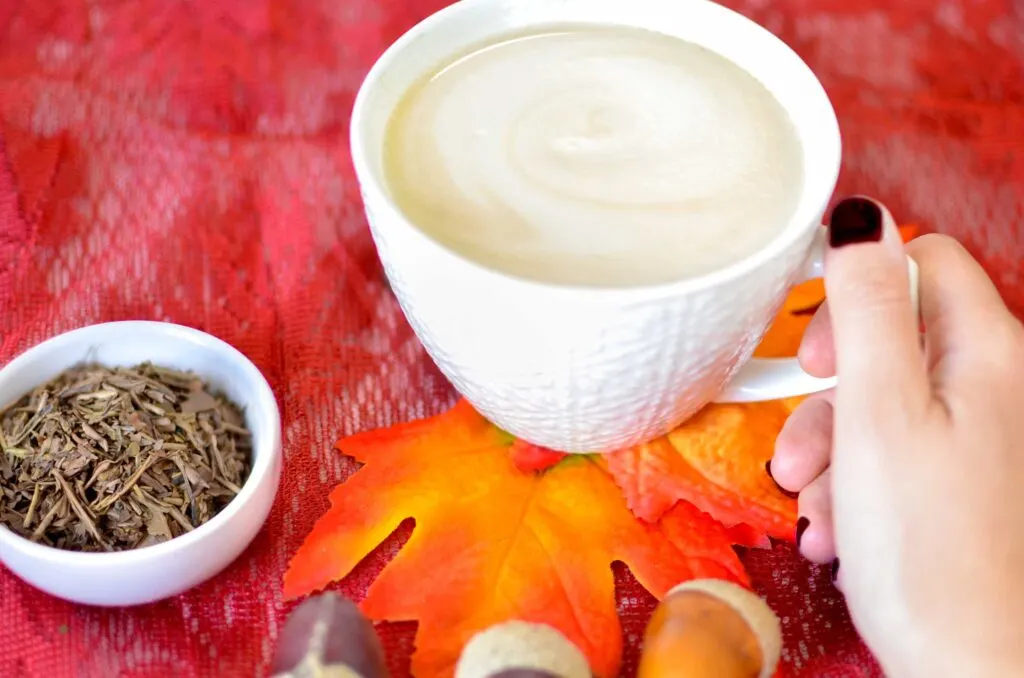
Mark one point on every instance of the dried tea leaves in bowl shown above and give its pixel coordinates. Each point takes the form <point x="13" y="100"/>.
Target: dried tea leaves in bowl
<point x="112" y="459"/>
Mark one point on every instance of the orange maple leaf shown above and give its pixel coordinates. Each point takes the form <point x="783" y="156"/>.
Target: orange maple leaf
<point x="716" y="460"/>
<point x="493" y="543"/>
<point x="783" y="337"/>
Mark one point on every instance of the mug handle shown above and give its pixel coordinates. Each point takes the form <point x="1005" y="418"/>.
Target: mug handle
<point x="775" y="378"/>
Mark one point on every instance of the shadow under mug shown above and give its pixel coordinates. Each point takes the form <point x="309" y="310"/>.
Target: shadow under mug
<point x="586" y="369"/>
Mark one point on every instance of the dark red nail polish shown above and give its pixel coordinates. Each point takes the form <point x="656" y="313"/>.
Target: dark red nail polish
<point x="768" y="470"/>
<point x="855" y="220"/>
<point x="801" y="526"/>
<point x="835" y="569"/>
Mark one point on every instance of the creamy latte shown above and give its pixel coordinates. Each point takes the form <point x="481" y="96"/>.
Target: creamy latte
<point x="599" y="156"/>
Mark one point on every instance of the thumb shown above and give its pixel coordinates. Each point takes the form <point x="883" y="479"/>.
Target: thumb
<point x="875" y="328"/>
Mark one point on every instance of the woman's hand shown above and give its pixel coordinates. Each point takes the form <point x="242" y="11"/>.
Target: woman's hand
<point x="911" y="473"/>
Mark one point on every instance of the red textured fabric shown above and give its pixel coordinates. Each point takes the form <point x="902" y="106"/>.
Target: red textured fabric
<point x="188" y="161"/>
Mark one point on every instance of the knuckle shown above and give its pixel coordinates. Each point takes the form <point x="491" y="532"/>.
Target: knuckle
<point x="937" y="242"/>
<point x="940" y="252"/>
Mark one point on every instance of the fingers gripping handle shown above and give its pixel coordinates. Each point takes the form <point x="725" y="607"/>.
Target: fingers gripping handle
<point x="774" y="378"/>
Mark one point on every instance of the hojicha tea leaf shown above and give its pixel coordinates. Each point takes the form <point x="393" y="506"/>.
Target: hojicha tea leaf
<point x="112" y="459"/>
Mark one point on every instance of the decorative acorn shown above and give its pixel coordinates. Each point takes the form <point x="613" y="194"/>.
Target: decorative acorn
<point x="711" y="628"/>
<point x="702" y="629"/>
<point x="328" y="637"/>
<point x="518" y="649"/>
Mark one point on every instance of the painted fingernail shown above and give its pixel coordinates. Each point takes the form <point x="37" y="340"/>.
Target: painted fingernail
<point x="835" y="570"/>
<point x="329" y="630"/>
<point x="768" y="470"/>
<point x="801" y="526"/>
<point x="855" y="220"/>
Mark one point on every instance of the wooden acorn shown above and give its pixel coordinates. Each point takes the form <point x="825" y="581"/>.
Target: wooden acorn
<point x="709" y="628"/>
<point x="704" y="628"/>
<point x="518" y="649"/>
<point x="328" y="637"/>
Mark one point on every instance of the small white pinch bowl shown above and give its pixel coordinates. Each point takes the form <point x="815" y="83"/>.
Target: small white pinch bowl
<point x="165" y="570"/>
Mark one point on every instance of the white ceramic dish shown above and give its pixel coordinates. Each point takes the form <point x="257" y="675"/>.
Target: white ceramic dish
<point x="165" y="570"/>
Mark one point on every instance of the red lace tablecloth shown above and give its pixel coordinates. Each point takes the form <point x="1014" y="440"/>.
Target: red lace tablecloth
<point x="187" y="161"/>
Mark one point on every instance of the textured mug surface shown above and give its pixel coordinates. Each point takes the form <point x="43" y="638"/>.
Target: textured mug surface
<point x="583" y="369"/>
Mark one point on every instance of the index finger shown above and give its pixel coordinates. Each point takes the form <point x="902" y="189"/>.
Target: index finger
<point x="960" y="306"/>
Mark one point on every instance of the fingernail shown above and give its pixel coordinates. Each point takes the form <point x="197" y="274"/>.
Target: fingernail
<point x="801" y="526"/>
<point x="768" y="470"/>
<point x="835" y="570"/>
<point x="329" y="630"/>
<point x="855" y="220"/>
<point x="524" y="673"/>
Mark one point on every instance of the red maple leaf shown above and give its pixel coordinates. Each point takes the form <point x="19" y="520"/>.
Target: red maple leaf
<point x="493" y="543"/>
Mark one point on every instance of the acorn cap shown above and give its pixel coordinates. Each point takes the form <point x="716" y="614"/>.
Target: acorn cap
<point x="314" y="669"/>
<point x="517" y="645"/>
<point x="759" y="617"/>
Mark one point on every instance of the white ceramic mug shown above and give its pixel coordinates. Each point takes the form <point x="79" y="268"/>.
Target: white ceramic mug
<point x="584" y="369"/>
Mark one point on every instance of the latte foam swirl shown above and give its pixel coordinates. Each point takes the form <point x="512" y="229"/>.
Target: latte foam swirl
<point x="595" y="157"/>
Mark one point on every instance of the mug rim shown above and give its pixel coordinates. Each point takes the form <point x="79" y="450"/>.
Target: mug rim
<point x="370" y="185"/>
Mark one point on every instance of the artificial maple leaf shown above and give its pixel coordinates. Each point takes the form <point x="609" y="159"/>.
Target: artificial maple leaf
<point x="783" y="337"/>
<point x="493" y="543"/>
<point x="784" y="334"/>
<point x="716" y="460"/>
